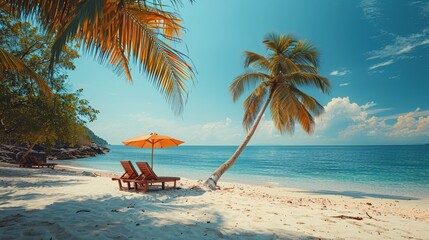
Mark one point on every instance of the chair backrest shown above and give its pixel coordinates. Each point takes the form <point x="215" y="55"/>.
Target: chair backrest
<point x="130" y="171"/>
<point x="146" y="170"/>
<point x="31" y="159"/>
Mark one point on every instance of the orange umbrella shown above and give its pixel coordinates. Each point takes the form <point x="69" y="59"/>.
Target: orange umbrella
<point x="152" y="140"/>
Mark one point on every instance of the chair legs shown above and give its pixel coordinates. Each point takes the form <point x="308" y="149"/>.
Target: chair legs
<point x="138" y="185"/>
<point x="143" y="186"/>
<point x="121" y="187"/>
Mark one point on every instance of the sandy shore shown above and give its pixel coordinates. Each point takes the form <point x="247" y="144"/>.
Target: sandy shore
<point x="50" y="204"/>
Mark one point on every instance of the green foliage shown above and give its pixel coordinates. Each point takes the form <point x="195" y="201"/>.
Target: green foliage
<point x="26" y="114"/>
<point x="96" y="138"/>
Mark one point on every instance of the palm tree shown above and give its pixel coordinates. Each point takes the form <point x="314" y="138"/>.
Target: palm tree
<point x="289" y="64"/>
<point x="117" y="32"/>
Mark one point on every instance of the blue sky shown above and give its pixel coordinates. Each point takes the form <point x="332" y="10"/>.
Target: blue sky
<point x="376" y="54"/>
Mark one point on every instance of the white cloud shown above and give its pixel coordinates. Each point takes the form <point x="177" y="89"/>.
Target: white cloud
<point x="417" y="113"/>
<point x="344" y="122"/>
<point x="406" y="49"/>
<point x="208" y="133"/>
<point x="214" y="126"/>
<point x="344" y="84"/>
<point x="377" y="72"/>
<point x="423" y="6"/>
<point x="370" y="9"/>
<point x="401" y="45"/>
<point x="425" y="9"/>
<point x="349" y="122"/>
<point x="339" y="113"/>
<point x="224" y="131"/>
<point x="409" y="125"/>
<point x="382" y="64"/>
<point x="378" y="110"/>
<point x="339" y="72"/>
<point x="395" y="47"/>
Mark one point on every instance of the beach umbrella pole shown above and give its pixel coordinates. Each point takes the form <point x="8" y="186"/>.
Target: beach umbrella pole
<point x="152" y="156"/>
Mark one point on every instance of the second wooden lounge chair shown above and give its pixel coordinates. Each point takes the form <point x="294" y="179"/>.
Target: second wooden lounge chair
<point x="129" y="174"/>
<point x="149" y="178"/>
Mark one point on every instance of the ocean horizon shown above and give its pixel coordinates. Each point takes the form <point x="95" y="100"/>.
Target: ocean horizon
<point x="385" y="171"/>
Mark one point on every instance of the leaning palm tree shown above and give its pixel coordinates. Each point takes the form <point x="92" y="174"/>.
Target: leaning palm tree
<point x="290" y="63"/>
<point x="117" y="32"/>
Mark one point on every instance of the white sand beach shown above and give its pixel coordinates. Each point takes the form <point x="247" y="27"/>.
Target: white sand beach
<point x="55" y="204"/>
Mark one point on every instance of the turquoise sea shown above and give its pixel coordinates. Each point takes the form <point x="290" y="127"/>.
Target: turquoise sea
<point x="396" y="172"/>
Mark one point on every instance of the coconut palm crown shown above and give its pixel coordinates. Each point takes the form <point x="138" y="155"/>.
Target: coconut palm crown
<point x="117" y="33"/>
<point x="275" y="80"/>
<point x="289" y="64"/>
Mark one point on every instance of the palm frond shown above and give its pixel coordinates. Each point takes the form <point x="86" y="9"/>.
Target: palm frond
<point x="304" y="53"/>
<point x="307" y="68"/>
<point x="301" y="114"/>
<point x="270" y="41"/>
<point x="9" y="62"/>
<point x="256" y="60"/>
<point x="279" y="44"/>
<point x="309" y="102"/>
<point x="286" y="109"/>
<point x="159" y="2"/>
<point x="166" y="24"/>
<point x="84" y="13"/>
<point x="281" y="65"/>
<point x="308" y="79"/>
<point x="284" y="43"/>
<point x="117" y="32"/>
<point x="252" y="105"/>
<point x="246" y="80"/>
<point x="281" y="111"/>
<point x="51" y="13"/>
<point x="166" y="67"/>
<point x="119" y="60"/>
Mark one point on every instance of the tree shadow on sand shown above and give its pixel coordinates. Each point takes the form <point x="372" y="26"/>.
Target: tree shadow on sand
<point x="44" y="183"/>
<point x="147" y="216"/>
<point x="19" y="173"/>
<point x="157" y="214"/>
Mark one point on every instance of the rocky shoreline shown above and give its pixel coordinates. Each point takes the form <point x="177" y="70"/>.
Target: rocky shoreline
<point x="12" y="154"/>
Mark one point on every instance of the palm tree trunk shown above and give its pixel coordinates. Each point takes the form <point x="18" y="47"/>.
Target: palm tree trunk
<point x="211" y="182"/>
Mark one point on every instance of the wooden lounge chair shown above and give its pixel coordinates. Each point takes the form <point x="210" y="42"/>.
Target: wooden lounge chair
<point x="149" y="178"/>
<point x="43" y="164"/>
<point x="129" y="174"/>
<point x="31" y="161"/>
